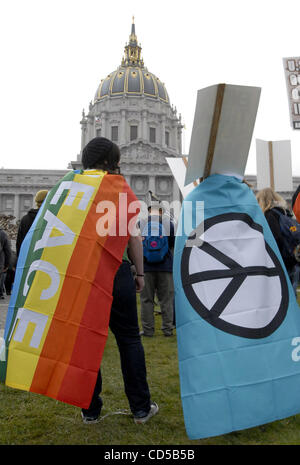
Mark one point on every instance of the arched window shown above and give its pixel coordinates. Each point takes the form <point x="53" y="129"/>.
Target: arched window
<point x="152" y="135"/>
<point x="114" y="133"/>
<point x="167" y="138"/>
<point x="133" y="132"/>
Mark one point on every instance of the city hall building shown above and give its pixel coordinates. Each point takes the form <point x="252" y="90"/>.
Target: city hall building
<point x="132" y="108"/>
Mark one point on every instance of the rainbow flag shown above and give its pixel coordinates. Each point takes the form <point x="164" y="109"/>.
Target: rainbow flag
<point x="58" y="316"/>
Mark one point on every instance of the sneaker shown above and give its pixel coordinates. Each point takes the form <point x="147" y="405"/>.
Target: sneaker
<point x="146" y="335"/>
<point x="142" y="419"/>
<point x="87" y="419"/>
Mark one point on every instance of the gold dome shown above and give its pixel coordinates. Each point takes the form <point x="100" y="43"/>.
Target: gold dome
<point x="132" y="78"/>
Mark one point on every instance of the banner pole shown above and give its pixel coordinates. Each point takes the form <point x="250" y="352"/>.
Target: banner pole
<point x="271" y="165"/>
<point x="214" y="129"/>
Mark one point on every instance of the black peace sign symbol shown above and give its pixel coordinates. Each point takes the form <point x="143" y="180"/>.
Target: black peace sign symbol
<point x="238" y="275"/>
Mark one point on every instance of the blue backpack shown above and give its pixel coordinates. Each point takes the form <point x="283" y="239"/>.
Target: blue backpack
<point x="290" y="230"/>
<point x="155" y="242"/>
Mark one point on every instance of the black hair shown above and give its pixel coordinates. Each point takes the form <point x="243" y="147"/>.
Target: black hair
<point x="101" y="153"/>
<point x="111" y="161"/>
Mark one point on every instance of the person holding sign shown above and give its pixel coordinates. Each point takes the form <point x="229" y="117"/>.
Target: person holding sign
<point x="236" y="314"/>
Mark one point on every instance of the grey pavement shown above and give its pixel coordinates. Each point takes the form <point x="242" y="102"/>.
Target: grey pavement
<point x="3" y="311"/>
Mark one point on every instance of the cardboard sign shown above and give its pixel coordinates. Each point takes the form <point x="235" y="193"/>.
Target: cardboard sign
<point x="274" y="165"/>
<point x="222" y="130"/>
<point x="292" y="77"/>
<point x="178" y="167"/>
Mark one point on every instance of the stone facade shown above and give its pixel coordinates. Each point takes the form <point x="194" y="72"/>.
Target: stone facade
<point x="18" y="188"/>
<point x="132" y="108"/>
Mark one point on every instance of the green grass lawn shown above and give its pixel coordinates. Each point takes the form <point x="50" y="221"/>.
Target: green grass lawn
<point x="30" y="419"/>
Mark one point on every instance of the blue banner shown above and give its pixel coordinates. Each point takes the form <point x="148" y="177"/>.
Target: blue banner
<point x="237" y="318"/>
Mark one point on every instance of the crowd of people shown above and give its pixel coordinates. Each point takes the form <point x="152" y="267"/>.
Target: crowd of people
<point x="150" y="254"/>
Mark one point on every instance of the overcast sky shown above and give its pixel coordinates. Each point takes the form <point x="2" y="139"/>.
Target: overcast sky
<point x="54" y="54"/>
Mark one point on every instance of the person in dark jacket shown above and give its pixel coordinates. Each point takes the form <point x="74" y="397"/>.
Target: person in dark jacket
<point x="29" y="218"/>
<point x="270" y="202"/>
<point x="5" y="255"/>
<point x="158" y="279"/>
<point x="10" y="274"/>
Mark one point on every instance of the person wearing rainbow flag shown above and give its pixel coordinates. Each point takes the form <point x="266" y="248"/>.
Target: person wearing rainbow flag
<point x="101" y="153"/>
<point x="73" y="281"/>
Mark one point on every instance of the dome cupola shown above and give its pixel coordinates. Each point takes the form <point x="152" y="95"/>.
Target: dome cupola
<point x="132" y="77"/>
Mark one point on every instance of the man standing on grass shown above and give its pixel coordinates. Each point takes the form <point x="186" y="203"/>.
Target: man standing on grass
<point x="73" y="281"/>
<point x="101" y="154"/>
<point x="158" y="243"/>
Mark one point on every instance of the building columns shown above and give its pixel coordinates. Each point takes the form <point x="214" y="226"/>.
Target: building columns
<point x="145" y="136"/>
<point x="103" y="125"/>
<point x="123" y="127"/>
<point x="176" y="191"/>
<point x="163" y="130"/>
<point x="83" y="135"/>
<point x="151" y="186"/>
<point x="17" y="206"/>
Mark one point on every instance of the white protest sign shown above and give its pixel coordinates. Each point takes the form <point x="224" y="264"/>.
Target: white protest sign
<point x="274" y="165"/>
<point x="222" y="131"/>
<point x="292" y="76"/>
<point x="178" y="167"/>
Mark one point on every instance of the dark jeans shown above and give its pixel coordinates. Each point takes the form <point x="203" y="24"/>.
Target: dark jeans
<point x="2" y="282"/>
<point x="124" y="325"/>
<point x="10" y="276"/>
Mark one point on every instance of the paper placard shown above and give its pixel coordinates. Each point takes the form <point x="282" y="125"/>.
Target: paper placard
<point x="292" y="76"/>
<point x="178" y="167"/>
<point x="223" y="125"/>
<point x="274" y="165"/>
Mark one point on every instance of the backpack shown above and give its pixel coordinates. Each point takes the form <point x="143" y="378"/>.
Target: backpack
<point x="290" y="230"/>
<point x="155" y="242"/>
